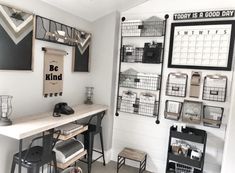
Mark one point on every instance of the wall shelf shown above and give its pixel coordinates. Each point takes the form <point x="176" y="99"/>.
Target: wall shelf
<point x="147" y="50"/>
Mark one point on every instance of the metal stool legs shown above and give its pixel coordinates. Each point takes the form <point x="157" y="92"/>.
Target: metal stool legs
<point x="102" y="146"/>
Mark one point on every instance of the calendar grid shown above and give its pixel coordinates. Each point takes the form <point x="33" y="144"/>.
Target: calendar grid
<point x="205" y="46"/>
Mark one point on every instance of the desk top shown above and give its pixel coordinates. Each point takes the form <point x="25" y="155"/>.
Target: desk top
<point x="24" y="127"/>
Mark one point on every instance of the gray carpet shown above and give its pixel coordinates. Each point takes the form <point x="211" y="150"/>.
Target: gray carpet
<point x="111" y="167"/>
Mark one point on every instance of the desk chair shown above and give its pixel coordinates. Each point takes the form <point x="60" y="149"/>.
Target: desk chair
<point x="36" y="157"/>
<point x="89" y="135"/>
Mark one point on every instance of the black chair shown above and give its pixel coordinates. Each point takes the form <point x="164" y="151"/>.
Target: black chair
<point x="36" y="157"/>
<point x="89" y="135"/>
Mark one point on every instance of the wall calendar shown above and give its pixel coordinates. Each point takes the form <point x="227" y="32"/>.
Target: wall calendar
<point x="202" y="45"/>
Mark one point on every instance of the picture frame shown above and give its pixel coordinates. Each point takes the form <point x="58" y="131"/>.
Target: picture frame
<point x="192" y="111"/>
<point x="197" y="45"/>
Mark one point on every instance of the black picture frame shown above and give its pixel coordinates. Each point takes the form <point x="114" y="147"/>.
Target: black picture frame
<point x="16" y="39"/>
<point x="231" y="45"/>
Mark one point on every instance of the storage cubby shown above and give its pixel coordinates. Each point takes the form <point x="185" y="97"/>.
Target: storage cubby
<point x="185" y="161"/>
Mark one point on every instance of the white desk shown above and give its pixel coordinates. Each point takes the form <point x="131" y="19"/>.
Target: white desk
<point x="24" y="127"/>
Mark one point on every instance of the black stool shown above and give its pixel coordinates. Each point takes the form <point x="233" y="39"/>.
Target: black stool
<point x="89" y="135"/>
<point x="36" y="157"/>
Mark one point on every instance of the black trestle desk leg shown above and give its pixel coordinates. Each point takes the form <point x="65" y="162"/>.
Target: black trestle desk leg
<point x="20" y="156"/>
<point x="90" y="151"/>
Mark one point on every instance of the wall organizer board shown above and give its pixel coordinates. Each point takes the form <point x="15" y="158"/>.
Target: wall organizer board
<point x="16" y="34"/>
<point x="55" y="32"/>
<point x="139" y="89"/>
<point x="202" y="45"/>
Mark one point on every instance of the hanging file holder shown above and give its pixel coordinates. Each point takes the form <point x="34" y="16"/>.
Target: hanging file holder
<point x="215" y="88"/>
<point x="172" y="110"/>
<point x="212" y="116"/>
<point x="176" y="84"/>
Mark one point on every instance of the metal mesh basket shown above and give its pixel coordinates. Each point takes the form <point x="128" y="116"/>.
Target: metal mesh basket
<point x="72" y="170"/>
<point x="180" y="168"/>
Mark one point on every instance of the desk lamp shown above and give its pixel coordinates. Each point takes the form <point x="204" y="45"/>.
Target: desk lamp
<point x="5" y="110"/>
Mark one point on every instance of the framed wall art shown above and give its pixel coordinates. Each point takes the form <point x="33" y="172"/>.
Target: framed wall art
<point x="56" y="32"/>
<point x="16" y="33"/>
<point x="202" y="45"/>
<point x="81" y="51"/>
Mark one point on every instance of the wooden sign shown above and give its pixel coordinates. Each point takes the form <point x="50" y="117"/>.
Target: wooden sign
<point x="204" y="15"/>
<point x="53" y="72"/>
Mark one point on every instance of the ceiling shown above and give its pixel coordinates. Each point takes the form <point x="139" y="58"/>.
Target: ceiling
<point x="93" y="9"/>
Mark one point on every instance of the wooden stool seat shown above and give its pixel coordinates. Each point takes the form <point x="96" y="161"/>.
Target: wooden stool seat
<point x="132" y="154"/>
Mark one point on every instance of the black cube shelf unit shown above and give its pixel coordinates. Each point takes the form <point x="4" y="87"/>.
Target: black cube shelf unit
<point x="145" y="53"/>
<point x="186" y="164"/>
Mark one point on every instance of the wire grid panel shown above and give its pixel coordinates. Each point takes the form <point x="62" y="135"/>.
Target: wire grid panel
<point x="176" y="85"/>
<point x="132" y="54"/>
<point x="215" y="88"/>
<point x="214" y="93"/>
<point x="180" y="168"/>
<point x="174" y="89"/>
<point x="140" y="81"/>
<point x="143" y="28"/>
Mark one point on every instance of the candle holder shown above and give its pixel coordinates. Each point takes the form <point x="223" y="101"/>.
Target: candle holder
<point x="5" y="110"/>
<point x="89" y="95"/>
